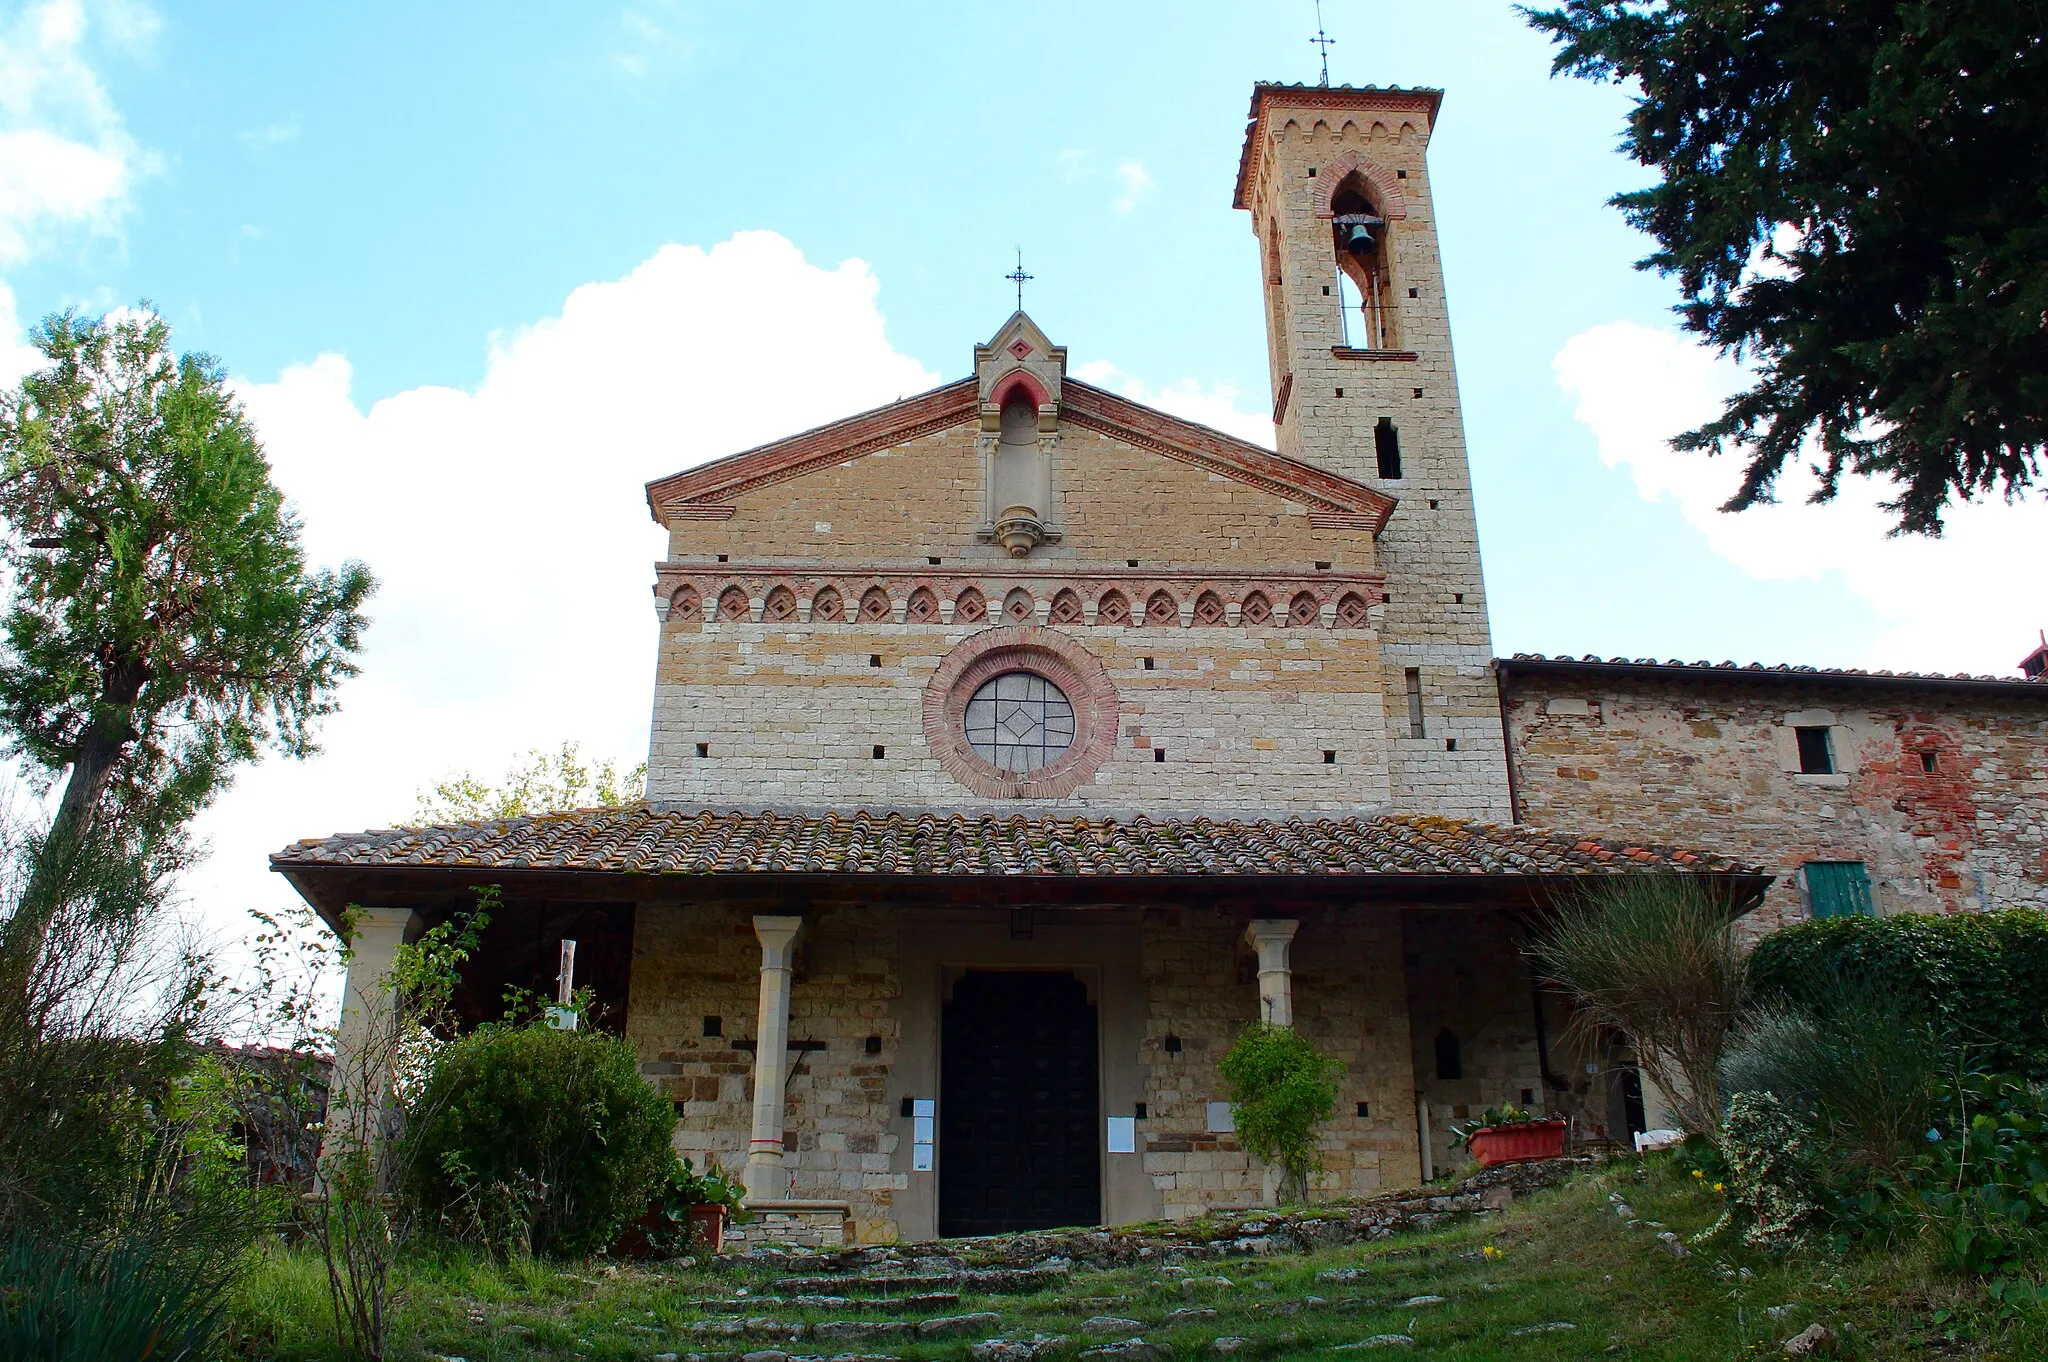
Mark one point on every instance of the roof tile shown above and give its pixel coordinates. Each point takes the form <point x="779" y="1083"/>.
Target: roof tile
<point x="643" y="840"/>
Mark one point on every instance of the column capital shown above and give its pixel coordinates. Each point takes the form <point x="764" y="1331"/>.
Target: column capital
<point x="1278" y="930"/>
<point x="778" y="937"/>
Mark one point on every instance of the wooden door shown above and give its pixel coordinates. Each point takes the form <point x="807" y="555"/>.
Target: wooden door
<point x="1018" y="1105"/>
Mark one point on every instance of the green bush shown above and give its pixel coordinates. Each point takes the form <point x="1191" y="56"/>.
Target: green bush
<point x="532" y="1139"/>
<point x="62" y="1303"/>
<point x="1978" y="978"/>
<point x="1857" y="1063"/>
<point x="1281" y="1090"/>
<point x="1984" y="1174"/>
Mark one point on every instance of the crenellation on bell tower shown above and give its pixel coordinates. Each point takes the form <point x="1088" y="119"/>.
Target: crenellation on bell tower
<point x="1336" y="181"/>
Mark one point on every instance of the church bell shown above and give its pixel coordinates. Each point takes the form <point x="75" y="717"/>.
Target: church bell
<point x="1356" y="233"/>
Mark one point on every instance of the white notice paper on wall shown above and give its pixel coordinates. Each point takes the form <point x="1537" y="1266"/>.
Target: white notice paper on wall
<point x="920" y="1130"/>
<point x="920" y="1158"/>
<point x="1123" y="1135"/>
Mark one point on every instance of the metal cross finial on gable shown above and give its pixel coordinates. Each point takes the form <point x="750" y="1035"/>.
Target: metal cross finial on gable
<point x="1322" y="42"/>
<point x="1018" y="277"/>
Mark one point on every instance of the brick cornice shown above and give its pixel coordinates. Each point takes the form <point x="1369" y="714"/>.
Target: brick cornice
<point x="735" y="475"/>
<point x="1268" y="98"/>
<point x="1214" y="452"/>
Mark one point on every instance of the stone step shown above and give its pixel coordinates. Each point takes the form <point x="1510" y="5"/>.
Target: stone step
<point x="994" y="1281"/>
<point x="924" y="1304"/>
<point x="849" y="1331"/>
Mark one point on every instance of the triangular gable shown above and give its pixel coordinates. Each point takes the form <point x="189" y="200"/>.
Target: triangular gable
<point x="706" y="493"/>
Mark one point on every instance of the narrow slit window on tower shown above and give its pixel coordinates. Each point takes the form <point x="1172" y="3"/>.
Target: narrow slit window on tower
<point x="1413" y="677"/>
<point x="1927" y="761"/>
<point x="1386" y="443"/>
<point x="1159" y="754"/>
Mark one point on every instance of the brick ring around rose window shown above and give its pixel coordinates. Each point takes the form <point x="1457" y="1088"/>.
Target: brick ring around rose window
<point x="1037" y="652"/>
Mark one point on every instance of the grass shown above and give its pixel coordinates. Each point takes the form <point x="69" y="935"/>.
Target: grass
<point x="1557" y="1257"/>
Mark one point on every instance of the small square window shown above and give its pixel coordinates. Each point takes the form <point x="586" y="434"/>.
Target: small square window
<point x="722" y="558"/>
<point x="1400" y="174"/>
<point x="905" y="1109"/>
<point x="1340" y="392"/>
<point x="1326" y="290"/>
<point x="1329" y="756"/>
<point x="874" y="659"/>
<point x="1418" y="392"/>
<point x="1816" y="752"/>
<point x="880" y="751"/>
<point x="1323" y="567"/>
<point x="1927" y="761"/>
<point x="1138" y="1111"/>
<point x="1158" y="754"/>
<point x="1450" y="744"/>
<point x="933" y="561"/>
<point x="1148" y="663"/>
<point x="714" y="1026"/>
<point x="1130" y="562"/>
<point x="1364" y="1109"/>
<point x="1434" y="503"/>
<point x="1458" y="597"/>
<point x="703" y="749"/>
<point x="1528" y="1097"/>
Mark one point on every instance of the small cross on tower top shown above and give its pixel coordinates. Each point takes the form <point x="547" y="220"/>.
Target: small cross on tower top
<point x="1018" y="277"/>
<point x="1322" y="42"/>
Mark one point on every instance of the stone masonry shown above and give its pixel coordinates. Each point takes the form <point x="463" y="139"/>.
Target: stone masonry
<point x="1942" y="787"/>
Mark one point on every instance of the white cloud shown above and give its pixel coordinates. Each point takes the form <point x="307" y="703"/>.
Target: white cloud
<point x="660" y="37"/>
<point x="1212" y="405"/>
<point x="1970" y="601"/>
<point x="509" y="525"/>
<point x="271" y="134"/>
<point x="1135" y="183"/>
<point x="65" y="158"/>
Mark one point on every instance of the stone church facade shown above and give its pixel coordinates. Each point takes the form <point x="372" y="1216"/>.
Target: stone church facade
<point x="1016" y="744"/>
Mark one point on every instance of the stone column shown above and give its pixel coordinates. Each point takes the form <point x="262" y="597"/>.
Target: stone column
<point x="363" y="1043"/>
<point x="766" y="1177"/>
<point x="1270" y="938"/>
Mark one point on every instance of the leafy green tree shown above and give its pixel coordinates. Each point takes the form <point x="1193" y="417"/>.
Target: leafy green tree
<point x="539" y="782"/>
<point x="1281" y="1089"/>
<point x="1850" y="201"/>
<point x="163" y="627"/>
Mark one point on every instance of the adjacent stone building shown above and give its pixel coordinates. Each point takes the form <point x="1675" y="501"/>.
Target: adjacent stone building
<point x="1016" y="744"/>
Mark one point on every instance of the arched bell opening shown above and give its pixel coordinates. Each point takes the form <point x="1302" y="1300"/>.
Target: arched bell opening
<point x="1364" y="276"/>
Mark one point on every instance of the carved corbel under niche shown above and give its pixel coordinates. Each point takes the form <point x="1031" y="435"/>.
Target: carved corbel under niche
<point x="995" y="533"/>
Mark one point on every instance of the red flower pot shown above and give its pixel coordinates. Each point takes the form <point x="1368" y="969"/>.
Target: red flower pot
<point x="707" y="1228"/>
<point x="1517" y="1142"/>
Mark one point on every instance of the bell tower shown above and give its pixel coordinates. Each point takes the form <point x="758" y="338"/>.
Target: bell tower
<point x="1336" y="180"/>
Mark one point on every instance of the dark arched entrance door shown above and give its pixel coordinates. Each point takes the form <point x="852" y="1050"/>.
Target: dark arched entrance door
<point x="1018" y="1105"/>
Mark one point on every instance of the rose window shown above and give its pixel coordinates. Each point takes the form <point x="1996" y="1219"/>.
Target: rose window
<point x="1019" y="721"/>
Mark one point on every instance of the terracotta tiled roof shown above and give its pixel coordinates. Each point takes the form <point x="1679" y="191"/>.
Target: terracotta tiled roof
<point x="639" y="840"/>
<point x="1757" y="671"/>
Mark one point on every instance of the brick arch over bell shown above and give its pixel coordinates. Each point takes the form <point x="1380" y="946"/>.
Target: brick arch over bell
<point x="1386" y="189"/>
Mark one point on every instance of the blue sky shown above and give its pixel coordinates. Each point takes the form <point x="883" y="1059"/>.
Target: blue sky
<point x="377" y="216"/>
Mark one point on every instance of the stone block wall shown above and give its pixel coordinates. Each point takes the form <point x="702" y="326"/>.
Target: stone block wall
<point x="1697" y="759"/>
<point x="1229" y="719"/>
<point x="1349" y="1000"/>
<point x="694" y="961"/>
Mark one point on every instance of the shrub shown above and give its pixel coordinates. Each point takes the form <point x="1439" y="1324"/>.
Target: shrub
<point x="1978" y="978"/>
<point x="1281" y="1090"/>
<point x="1857" y="1063"/>
<point x="1775" y="1190"/>
<point x="74" y="1304"/>
<point x="1983" y="1175"/>
<point x="1655" y="956"/>
<point x="538" y="1140"/>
